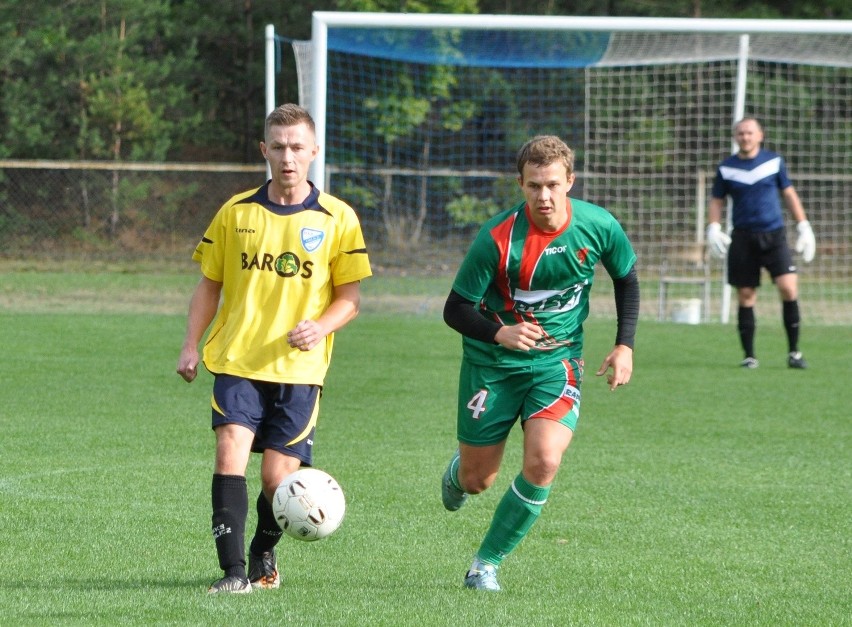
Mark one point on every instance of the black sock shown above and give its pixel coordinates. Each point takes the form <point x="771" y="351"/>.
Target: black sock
<point x="746" y="327"/>
<point x="230" y="508"/>
<point x="268" y="532"/>
<point x="791" y="324"/>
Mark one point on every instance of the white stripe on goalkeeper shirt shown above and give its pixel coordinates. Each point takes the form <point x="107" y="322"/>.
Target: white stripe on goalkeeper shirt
<point x="750" y="177"/>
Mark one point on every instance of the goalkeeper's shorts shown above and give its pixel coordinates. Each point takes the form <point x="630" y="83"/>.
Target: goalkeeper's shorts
<point x="751" y="251"/>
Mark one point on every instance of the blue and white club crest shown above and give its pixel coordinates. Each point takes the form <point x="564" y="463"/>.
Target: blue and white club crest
<point x="311" y="239"/>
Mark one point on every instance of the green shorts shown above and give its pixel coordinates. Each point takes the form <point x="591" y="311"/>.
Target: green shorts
<point x="492" y="399"/>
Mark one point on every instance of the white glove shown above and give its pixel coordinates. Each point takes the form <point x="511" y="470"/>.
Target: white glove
<point x="806" y="242"/>
<point x="717" y="241"/>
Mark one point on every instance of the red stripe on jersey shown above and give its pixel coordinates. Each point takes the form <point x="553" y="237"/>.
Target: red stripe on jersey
<point x="535" y="242"/>
<point x="502" y="236"/>
<point x="534" y="245"/>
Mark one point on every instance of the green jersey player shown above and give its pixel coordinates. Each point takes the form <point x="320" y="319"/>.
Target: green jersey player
<point x="519" y="300"/>
<point x="286" y="260"/>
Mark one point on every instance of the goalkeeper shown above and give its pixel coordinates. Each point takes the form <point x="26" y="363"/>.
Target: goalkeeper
<point x="753" y="177"/>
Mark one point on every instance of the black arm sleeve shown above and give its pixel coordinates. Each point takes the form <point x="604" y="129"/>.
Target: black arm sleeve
<point x="461" y="314"/>
<point x="627" y="307"/>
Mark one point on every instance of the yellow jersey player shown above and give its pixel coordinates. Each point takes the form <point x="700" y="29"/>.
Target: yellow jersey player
<point x="286" y="260"/>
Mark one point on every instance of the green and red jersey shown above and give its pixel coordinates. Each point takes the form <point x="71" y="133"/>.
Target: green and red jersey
<point x="517" y="272"/>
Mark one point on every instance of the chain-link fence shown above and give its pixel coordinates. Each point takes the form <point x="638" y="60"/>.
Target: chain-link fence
<point x="62" y="210"/>
<point x="156" y="213"/>
<point x="65" y="209"/>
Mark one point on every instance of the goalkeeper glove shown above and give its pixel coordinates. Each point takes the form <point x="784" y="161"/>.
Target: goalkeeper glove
<point x="805" y="243"/>
<point x="717" y="241"/>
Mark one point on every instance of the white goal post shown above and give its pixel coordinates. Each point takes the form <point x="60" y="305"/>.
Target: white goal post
<point x="647" y="103"/>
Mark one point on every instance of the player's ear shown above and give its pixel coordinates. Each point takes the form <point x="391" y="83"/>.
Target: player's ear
<point x="520" y="180"/>
<point x="263" y="150"/>
<point x="571" y="178"/>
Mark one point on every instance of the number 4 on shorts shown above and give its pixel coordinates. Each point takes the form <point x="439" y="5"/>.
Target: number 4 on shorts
<point x="476" y="404"/>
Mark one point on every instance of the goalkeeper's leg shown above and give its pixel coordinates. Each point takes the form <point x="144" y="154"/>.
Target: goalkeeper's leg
<point x="788" y="290"/>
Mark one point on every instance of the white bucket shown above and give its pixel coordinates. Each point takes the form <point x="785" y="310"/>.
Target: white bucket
<point x="687" y="311"/>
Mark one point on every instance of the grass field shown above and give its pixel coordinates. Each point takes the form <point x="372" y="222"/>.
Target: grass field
<point x="700" y="494"/>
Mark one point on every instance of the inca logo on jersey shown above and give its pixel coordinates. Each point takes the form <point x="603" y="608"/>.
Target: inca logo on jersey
<point x="284" y="265"/>
<point x="311" y="239"/>
<point x="582" y="254"/>
<point x="530" y="301"/>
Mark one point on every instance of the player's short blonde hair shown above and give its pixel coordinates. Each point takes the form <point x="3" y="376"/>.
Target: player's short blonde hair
<point x="748" y="118"/>
<point x="543" y="150"/>
<point x="288" y="115"/>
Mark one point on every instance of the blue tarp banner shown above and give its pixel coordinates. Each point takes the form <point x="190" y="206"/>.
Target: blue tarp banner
<point x="474" y="48"/>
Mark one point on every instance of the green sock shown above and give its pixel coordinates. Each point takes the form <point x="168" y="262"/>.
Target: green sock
<point x="518" y="510"/>
<point x="454" y="471"/>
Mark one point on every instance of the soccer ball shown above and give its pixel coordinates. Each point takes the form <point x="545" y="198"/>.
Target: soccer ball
<point x="309" y="505"/>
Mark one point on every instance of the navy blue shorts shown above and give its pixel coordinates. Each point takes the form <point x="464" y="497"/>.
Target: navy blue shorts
<point x="750" y="252"/>
<point x="282" y="416"/>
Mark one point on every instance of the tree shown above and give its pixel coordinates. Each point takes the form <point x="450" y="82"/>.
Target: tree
<point x="228" y="88"/>
<point x="411" y="108"/>
<point x="200" y="65"/>
<point x="96" y="82"/>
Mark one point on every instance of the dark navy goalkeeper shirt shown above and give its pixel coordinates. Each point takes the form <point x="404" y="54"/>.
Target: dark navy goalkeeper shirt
<point x="754" y="185"/>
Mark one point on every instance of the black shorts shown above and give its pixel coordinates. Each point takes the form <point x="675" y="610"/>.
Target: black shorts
<point x="749" y="252"/>
<point x="282" y="416"/>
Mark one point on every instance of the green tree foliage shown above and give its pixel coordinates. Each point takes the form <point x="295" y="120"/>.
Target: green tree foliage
<point x="98" y="80"/>
<point x="184" y="79"/>
<point x="411" y="106"/>
<point x="409" y="6"/>
<point x="808" y="9"/>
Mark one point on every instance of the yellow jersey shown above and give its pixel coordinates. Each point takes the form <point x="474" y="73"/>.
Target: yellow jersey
<point x="277" y="265"/>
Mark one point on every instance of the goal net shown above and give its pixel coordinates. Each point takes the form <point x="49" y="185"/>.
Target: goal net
<point x="420" y="117"/>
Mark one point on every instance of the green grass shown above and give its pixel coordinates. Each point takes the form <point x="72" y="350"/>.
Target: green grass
<point x="700" y="494"/>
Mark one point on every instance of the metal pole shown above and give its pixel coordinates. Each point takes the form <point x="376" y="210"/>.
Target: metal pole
<point x="270" y="77"/>
<point x="739" y="112"/>
<point x="319" y="41"/>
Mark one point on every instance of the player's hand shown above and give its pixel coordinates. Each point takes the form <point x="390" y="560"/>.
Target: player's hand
<point x="717" y="240"/>
<point x="518" y="337"/>
<point x="187" y="366"/>
<point x="305" y="335"/>
<point x="620" y="360"/>
<point x="806" y="242"/>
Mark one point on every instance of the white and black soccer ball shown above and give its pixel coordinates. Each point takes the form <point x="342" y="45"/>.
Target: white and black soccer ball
<point x="309" y="505"/>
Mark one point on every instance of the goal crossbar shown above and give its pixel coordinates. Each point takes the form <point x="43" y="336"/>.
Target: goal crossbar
<point x="588" y="23"/>
<point x="323" y="20"/>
